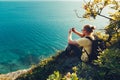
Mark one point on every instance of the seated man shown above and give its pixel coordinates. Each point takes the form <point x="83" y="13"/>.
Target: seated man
<point x="82" y="42"/>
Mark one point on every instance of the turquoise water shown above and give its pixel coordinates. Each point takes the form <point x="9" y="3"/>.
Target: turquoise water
<point x="31" y="31"/>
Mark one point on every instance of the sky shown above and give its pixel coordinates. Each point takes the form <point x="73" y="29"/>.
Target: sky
<point x="40" y="0"/>
<point x="48" y="0"/>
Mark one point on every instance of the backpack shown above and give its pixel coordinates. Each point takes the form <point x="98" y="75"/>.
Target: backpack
<point x="98" y="46"/>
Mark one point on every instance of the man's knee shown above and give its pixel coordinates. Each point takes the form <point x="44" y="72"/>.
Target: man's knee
<point x="74" y="50"/>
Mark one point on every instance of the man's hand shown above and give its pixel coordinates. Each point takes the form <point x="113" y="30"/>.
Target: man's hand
<point x="73" y="29"/>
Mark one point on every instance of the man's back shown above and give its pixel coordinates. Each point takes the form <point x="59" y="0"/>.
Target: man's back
<point x="87" y="46"/>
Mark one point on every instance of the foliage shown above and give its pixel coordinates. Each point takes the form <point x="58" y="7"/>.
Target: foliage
<point x="55" y="76"/>
<point x="69" y="76"/>
<point x="110" y="59"/>
<point x="95" y="7"/>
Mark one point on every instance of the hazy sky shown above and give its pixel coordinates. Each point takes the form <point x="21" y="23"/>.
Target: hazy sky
<point x="48" y="0"/>
<point x="40" y="0"/>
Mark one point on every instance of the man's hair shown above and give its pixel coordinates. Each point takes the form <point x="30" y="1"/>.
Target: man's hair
<point x="89" y="28"/>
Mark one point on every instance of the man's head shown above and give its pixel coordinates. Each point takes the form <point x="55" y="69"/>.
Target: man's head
<point x="88" y="29"/>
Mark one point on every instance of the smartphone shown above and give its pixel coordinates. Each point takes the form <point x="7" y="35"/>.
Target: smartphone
<point x="73" y="29"/>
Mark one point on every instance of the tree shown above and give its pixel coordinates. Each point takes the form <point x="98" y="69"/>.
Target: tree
<point x="93" y="8"/>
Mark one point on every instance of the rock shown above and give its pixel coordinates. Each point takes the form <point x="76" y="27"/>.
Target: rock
<point x="12" y="75"/>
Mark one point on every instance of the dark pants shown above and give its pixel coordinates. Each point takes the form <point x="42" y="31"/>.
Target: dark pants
<point x="73" y="50"/>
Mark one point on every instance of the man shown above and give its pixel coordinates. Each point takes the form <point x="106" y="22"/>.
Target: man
<point x="87" y="31"/>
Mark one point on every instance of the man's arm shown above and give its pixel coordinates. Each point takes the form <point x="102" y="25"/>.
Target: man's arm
<point x="77" y="32"/>
<point x="70" y="41"/>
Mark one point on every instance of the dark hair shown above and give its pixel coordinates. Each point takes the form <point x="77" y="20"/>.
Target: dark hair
<point x="89" y="28"/>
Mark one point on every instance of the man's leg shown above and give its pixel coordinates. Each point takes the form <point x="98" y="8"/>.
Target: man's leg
<point x="73" y="50"/>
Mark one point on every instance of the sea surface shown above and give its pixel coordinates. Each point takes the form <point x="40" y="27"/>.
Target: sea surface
<point x="33" y="30"/>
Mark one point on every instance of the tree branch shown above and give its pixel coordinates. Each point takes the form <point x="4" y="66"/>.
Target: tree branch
<point x="105" y="17"/>
<point x="77" y="14"/>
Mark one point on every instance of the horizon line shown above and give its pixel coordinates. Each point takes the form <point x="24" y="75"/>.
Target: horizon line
<point x="40" y="0"/>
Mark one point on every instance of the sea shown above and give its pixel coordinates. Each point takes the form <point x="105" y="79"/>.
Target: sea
<point x="31" y="31"/>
